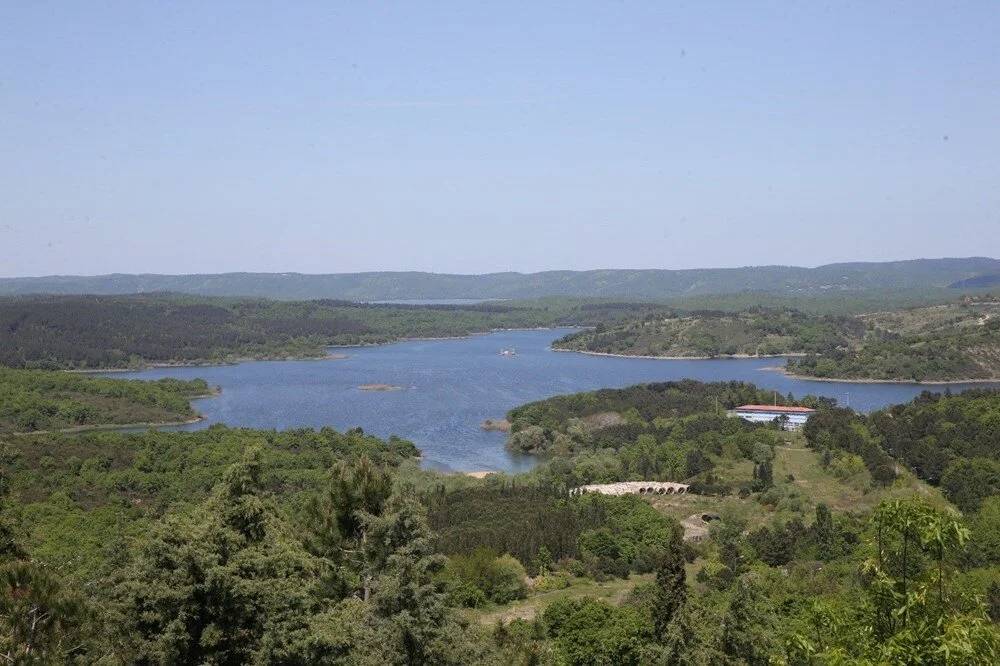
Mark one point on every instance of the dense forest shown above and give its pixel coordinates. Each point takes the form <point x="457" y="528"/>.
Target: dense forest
<point x="317" y="547"/>
<point x="754" y="332"/>
<point x="840" y="544"/>
<point x="33" y="400"/>
<point x="951" y="441"/>
<point x="941" y="343"/>
<point x="944" y="342"/>
<point x="129" y="331"/>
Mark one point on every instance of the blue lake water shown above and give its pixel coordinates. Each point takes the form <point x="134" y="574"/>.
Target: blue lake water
<point x="450" y="386"/>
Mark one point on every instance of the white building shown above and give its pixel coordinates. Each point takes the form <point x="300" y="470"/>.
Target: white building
<point x="796" y="416"/>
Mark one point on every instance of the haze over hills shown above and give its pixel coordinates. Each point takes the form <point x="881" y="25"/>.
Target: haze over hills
<point x="651" y="283"/>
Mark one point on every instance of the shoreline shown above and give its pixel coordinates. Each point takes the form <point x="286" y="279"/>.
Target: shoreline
<point x="720" y="357"/>
<point x="928" y="382"/>
<point x="197" y="418"/>
<point x="479" y="474"/>
<point x="781" y="369"/>
<point x="165" y="365"/>
<point x="160" y="365"/>
<point x="112" y="426"/>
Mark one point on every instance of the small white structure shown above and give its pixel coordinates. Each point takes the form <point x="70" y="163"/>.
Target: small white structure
<point x="633" y="488"/>
<point x="792" y="417"/>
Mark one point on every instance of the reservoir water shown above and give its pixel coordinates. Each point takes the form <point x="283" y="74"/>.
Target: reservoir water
<point x="448" y="387"/>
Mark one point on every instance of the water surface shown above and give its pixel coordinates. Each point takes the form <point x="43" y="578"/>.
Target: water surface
<point x="448" y="387"/>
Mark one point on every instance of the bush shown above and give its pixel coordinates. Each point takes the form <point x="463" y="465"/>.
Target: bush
<point x="482" y="576"/>
<point x="558" y="580"/>
<point x="587" y="631"/>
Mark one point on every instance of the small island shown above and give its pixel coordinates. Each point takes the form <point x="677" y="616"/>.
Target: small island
<point x="495" y="425"/>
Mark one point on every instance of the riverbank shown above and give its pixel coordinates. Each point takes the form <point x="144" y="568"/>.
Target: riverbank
<point x="216" y="363"/>
<point x="914" y="382"/>
<point x="680" y="358"/>
<point x="206" y="363"/>
<point x="92" y="427"/>
<point x="113" y="426"/>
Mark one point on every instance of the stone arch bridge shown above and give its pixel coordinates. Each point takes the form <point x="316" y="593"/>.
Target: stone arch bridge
<point x="634" y="488"/>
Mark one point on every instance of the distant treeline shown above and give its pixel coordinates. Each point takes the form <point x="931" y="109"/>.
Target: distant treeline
<point x="130" y="331"/>
<point x="842" y="278"/>
<point x="953" y="341"/>
<point x="756" y="331"/>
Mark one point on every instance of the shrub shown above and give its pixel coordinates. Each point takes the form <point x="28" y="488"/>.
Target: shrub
<point x="482" y="576"/>
<point x="558" y="580"/>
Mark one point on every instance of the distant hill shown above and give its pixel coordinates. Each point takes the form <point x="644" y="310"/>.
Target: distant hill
<point x="978" y="282"/>
<point x="654" y="283"/>
<point x="945" y="342"/>
<point x="760" y="331"/>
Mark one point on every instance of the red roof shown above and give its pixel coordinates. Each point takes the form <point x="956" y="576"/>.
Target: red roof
<point x="775" y="408"/>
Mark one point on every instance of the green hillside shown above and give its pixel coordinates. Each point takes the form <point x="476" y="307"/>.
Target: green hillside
<point x="752" y="333"/>
<point x="653" y="283"/>
<point x="33" y="400"/>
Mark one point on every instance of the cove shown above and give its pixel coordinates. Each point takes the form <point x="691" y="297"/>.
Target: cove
<point x="444" y="389"/>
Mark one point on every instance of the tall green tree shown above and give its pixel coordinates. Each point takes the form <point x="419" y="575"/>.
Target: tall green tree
<point x="409" y="598"/>
<point x="337" y="520"/>
<point x="824" y="533"/>
<point x="42" y="621"/>
<point x="671" y="588"/>
<point x="747" y="628"/>
<point x="911" y="612"/>
<point x="227" y="583"/>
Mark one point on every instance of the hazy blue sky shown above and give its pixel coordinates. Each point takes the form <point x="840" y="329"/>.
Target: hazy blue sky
<point x="330" y="137"/>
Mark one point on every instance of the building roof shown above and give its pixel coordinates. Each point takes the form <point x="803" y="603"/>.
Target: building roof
<point x="775" y="409"/>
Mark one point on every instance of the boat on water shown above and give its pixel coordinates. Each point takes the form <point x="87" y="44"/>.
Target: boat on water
<point x="508" y="352"/>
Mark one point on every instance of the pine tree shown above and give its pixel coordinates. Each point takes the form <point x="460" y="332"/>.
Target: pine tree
<point x="336" y="522"/>
<point x="671" y="588"/>
<point x="747" y="627"/>
<point x="228" y="583"/>
<point x="41" y="621"/>
<point x="763" y="476"/>
<point x="408" y="599"/>
<point x="823" y="531"/>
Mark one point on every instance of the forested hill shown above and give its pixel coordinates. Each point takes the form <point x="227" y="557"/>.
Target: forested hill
<point x="945" y="342"/>
<point x="56" y="332"/>
<point x="918" y="273"/>
<point x="32" y="400"/>
<point x="753" y="332"/>
<point x="952" y="342"/>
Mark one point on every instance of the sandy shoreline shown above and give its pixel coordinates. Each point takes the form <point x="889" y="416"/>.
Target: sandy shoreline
<point x="479" y="474"/>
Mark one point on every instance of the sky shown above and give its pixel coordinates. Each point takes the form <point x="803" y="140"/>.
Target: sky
<point x="467" y="137"/>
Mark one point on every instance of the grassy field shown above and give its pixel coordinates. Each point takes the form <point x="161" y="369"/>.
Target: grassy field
<point x="800" y="480"/>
